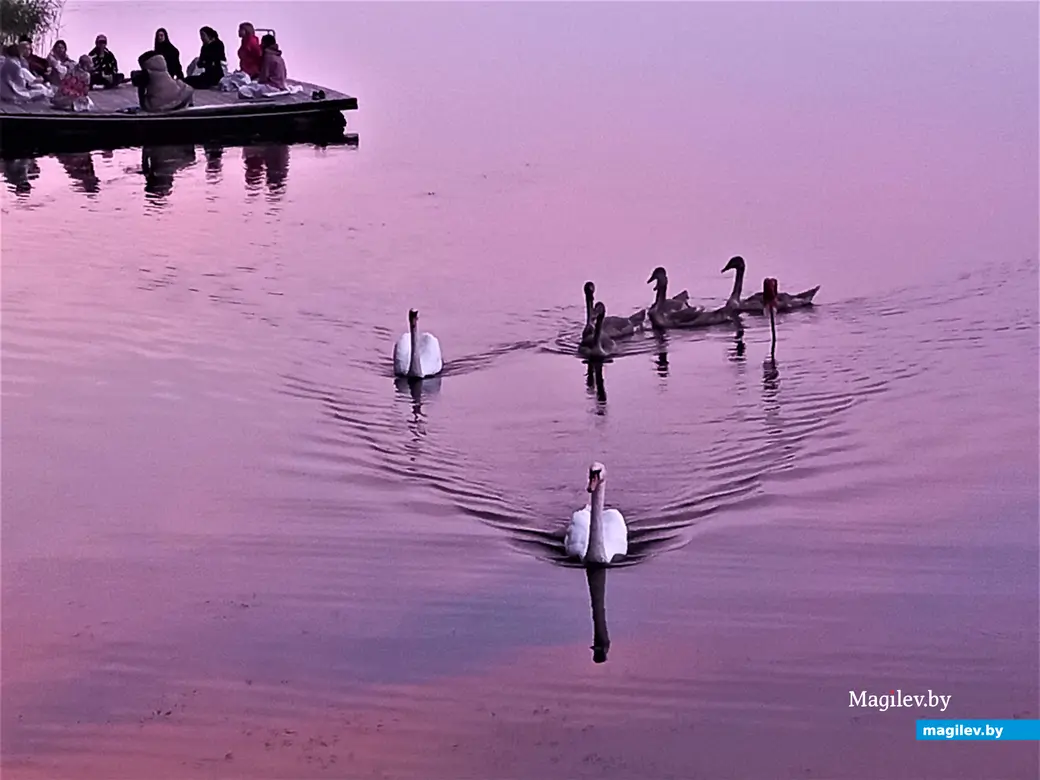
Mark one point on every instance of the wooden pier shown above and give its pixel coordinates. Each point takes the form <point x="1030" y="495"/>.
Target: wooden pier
<point x="28" y="129"/>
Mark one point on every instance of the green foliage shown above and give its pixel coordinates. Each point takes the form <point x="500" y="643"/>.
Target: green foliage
<point x="34" y="18"/>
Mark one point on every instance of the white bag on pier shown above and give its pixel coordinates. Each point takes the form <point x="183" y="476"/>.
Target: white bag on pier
<point x="234" y="81"/>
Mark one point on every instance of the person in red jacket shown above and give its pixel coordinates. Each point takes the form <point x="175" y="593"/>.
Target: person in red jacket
<point x="250" y="55"/>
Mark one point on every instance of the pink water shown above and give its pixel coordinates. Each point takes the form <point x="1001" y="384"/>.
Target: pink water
<point x="233" y="548"/>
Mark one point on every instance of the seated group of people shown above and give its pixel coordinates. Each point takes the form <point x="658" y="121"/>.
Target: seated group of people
<point x="162" y="84"/>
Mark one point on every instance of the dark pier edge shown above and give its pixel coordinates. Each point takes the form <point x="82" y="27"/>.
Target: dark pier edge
<point x="25" y="132"/>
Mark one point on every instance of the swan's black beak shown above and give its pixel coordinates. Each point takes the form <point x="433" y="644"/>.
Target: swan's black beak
<point x="651" y="279"/>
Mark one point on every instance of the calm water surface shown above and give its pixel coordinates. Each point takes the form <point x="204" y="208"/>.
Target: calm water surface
<point x="233" y="546"/>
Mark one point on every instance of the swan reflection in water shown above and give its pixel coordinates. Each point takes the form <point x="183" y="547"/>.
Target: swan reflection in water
<point x="416" y="390"/>
<point x="770" y="377"/>
<point x="661" y="363"/>
<point x="597" y="577"/>
<point x="739" y="348"/>
<point x="771" y="405"/>
<point x="595" y="387"/>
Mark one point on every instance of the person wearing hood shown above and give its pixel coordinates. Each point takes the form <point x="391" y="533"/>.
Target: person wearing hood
<point x="250" y="54"/>
<point x="170" y="53"/>
<point x="272" y="67"/>
<point x="161" y="92"/>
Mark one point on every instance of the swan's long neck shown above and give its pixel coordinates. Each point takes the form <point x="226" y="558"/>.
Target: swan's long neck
<point x="598" y="334"/>
<point x="414" y="368"/>
<point x="738" y="286"/>
<point x="662" y="291"/>
<point x="588" y="309"/>
<point x="597" y="548"/>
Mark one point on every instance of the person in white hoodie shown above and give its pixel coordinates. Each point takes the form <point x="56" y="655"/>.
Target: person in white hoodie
<point x="14" y="87"/>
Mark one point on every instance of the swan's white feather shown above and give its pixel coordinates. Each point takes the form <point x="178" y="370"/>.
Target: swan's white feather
<point x="430" y="362"/>
<point x="615" y="534"/>
<point x="576" y="542"/>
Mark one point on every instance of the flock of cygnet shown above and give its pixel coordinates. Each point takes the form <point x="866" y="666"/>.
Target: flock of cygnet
<point x="595" y="535"/>
<point x="601" y="331"/>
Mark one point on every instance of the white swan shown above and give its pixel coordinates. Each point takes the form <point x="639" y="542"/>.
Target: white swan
<point x="417" y="355"/>
<point x="596" y="535"/>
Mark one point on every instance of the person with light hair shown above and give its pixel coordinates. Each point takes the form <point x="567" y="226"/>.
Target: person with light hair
<point x="250" y="55"/>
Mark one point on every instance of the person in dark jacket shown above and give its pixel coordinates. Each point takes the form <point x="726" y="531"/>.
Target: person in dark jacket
<point x="106" y="69"/>
<point x="169" y="52"/>
<point x="210" y="62"/>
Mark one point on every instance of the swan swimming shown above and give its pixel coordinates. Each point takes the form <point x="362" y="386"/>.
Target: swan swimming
<point x="756" y="303"/>
<point x="600" y="345"/>
<point x="662" y="303"/>
<point x="665" y="313"/>
<point x="670" y="312"/>
<point x="417" y="355"/>
<point x="596" y="535"/>
<point x="615" y="327"/>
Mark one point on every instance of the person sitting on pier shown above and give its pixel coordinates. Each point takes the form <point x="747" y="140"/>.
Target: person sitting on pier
<point x="206" y="70"/>
<point x="106" y="69"/>
<point x="272" y="68"/>
<point x="24" y="55"/>
<point x="161" y="92"/>
<point x="73" y="92"/>
<point x="14" y="86"/>
<point x="36" y="65"/>
<point x="59" y="62"/>
<point x="139" y="78"/>
<point x="169" y="52"/>
<point x="250" y="54"/>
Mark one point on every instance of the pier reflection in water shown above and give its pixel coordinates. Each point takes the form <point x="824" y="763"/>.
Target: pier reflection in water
<point x="265" y="166"/>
